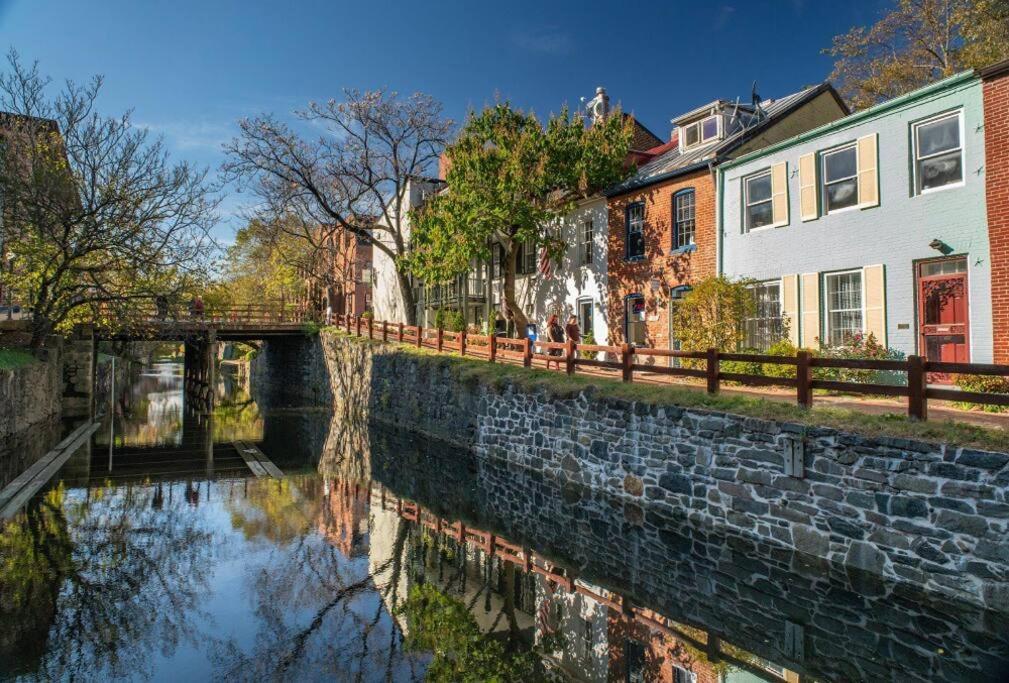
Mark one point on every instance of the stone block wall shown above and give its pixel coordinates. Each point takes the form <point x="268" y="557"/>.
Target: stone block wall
<point x="927" y="514"/>
<point x="30" y="395"/>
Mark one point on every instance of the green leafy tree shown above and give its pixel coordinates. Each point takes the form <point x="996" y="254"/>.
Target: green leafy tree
<point x="711" y="315"/>
<point x="916" y="43"/>
<point x="96" y="217"/>
<point x="510" y="180"/>
<point x="267" y="262"/>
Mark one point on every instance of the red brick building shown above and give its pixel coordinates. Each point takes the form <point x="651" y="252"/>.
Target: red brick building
<point x="662" y="235"/>
<point x="995" y="84"/>
<point x="342" y="276"/>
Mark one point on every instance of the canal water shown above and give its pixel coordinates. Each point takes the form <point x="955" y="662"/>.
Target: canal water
<point x="157" y="554"/>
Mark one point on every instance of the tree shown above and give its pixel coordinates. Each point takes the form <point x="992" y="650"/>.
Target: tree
<point x="353" y="178"/>
<point x="916" y="43"/>
<point x="267" y="261"/>
<point x="711" y="315"/>
<point x="510" y="181"/>
<point x="95" y="215"/>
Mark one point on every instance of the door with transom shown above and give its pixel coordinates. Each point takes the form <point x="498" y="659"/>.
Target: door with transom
<point x="943" y="315"/>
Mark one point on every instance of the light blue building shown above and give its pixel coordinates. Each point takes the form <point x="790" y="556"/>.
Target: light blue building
<point x="873" y="223"/>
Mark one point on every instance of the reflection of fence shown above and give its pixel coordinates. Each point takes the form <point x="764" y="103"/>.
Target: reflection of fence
<point x="630" y="361"/>
<point x="558" y="578"/>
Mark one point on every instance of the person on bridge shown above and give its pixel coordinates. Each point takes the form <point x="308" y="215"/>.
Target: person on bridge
<point x="555" y="333"/>
<point x="198" y="306"/>
<point x="161" y="303"/>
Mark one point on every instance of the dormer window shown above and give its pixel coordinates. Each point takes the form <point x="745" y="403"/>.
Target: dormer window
<point x="701" y="132"/>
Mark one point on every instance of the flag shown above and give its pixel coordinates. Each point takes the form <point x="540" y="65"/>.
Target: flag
<point x="546" y="268"/>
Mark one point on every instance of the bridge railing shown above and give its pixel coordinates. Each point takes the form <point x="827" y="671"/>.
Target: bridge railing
<point x="912" y="379"/>
<point x="257" y="314"/>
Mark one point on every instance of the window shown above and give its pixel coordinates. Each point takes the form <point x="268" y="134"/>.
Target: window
<point x="938" y="153"/>
<point x="635" y="227"/>
<point x="634" y="319"/>
<point x="765" y="327"/>
<point x="840" y="179"/>
<point x="757" y="198"/>
<point x="683" y="219"/>
<point x="525" y="259"/>
<point x="634" y="661"/>
<point x="681" y="675"/>
<point x="585" y="317"/>
<point x="588" y="240"/>
<point x="700" y="132"/>
<point x="586" y="635"/>
<point x="367" y="301"/>
<point x="844" y="307"/>
<point x="497" y="261"/>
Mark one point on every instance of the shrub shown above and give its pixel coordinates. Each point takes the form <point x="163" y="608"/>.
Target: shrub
<point x="783" y="347"/>
<point x="589" y="339"/>
<point x="456" y="321"/>
<point x="990" y="384"/>
<point x="713" y="313"/>
<point x="742" y="367"/>
<point x="862" y="347"/>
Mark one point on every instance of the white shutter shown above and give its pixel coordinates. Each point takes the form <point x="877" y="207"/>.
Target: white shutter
<point x="790" y="306"/>
<point x="810" y="310"/>
<point x="868" y="172"/>
<point x="809" y="209"/>
<point x="874" y="285"/>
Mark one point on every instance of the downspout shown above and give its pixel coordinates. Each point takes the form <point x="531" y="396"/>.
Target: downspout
<point x="719" y="220"/>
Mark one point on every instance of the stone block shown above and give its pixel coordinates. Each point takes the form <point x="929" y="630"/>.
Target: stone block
<point x="959" y="523"/>
<point x="865" y="556"/>
<point x="987" y="460"/>
<point x="808" y="540"/>
<point x="676" y="483"/>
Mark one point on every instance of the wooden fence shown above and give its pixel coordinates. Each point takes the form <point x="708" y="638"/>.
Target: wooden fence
<point x="629" y="361"/>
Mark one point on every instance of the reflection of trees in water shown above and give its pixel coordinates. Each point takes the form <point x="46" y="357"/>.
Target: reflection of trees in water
<point x="127" y="570"/>
<point x="320" y="612"/>
<point x="237" y="417"/>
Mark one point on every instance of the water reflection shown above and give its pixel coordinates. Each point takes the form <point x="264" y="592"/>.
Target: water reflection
<point x="385" y="556"/>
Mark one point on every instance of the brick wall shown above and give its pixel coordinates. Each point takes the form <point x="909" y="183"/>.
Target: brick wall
<point x="996" y="140"/>
<point x="660" y="261"/>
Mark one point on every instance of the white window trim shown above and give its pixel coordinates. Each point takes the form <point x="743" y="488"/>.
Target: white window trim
<point x="769" y="200"/>
<point x="825" y="305"/>
<point x="701" y="141"/>
<point x="581" y="301"/>
<point x="823" y="178"/>
<point x="778" y="281"/>
<point x="914" y="153"/>
<point x="587" y="246"/>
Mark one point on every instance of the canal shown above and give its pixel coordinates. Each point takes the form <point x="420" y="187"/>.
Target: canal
<point x="159" y="551"/>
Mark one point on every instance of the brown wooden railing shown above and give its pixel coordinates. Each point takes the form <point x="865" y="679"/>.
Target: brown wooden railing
<point x="234" y="315"/>
<point x="701" y="365"/>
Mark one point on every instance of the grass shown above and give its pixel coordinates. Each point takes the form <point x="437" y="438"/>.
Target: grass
<point x="560" y="385"/>
<point x="15" y="358"/>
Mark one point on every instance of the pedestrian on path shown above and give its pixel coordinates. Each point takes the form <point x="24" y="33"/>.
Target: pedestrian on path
<point x="555" y="333"/>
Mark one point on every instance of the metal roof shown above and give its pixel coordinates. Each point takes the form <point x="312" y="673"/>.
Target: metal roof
<point x="674" y="162"/>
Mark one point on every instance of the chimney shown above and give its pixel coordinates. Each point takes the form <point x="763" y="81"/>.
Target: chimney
<point x="599" y="106"/>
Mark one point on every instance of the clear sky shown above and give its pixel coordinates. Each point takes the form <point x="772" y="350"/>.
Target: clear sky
<point x="190" y="68"/>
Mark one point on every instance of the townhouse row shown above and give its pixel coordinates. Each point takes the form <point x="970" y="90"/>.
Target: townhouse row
<point x="892" y="221"/>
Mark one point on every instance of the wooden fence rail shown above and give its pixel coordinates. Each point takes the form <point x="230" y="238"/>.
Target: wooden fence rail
<point x="706" y="365"/>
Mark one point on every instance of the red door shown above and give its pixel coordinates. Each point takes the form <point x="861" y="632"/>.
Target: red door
<point x="942" y="311"/>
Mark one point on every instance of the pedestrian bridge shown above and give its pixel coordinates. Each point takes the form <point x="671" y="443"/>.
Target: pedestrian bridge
<point x="234" y="323"/>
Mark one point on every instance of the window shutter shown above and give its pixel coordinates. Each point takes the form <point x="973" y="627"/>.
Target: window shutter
<point x="809" y="209"/>
<point x="868" y="172"/>
<point x="874" y="279"/>
<point x="810" y="306"/>
<point x="779" y="194"/>
<point x="790" y="306"/>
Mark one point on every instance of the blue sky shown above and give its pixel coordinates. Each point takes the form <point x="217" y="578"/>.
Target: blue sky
<point x="190" y="68"/>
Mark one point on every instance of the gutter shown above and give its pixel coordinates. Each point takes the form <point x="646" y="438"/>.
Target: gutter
<point x="994" y="70"/>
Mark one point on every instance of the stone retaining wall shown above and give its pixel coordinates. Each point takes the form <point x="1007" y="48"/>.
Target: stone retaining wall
<point x="30" y="395"/>
<point x="927" y="514"/>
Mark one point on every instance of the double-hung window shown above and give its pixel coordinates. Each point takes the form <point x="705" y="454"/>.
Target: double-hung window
<point x="757" y="199"/>
<point x="845" y="314"/>
<point x="938" y="152"/>
<point x="683" y="219"/>
<point x="585" y="316"/>
<point x="765" y="327"/>
<point x="588" y="240"/>
<point x="635" y="229"/>
<point x="840" y="178"/>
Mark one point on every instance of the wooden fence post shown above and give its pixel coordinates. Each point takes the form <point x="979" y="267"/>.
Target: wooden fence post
<point x="357" y="325"/>
<point x="385" y="331"/>
<point x="462" y="343"/>
<point x="347" y="318"/>
<point x="917" y="402"/>
<point x="569" y="357"/>
<point x="441" y="339"/>
<point x="712" y="371"/>
<point x="626" y="359"/>
<point x="371" y="327"/>
<point x="401" y="333"/>
<point x="492" y="342"/>
<point x="527" y="352"/>
<point x="420" y="336"/>
<point x="803" y="378"/>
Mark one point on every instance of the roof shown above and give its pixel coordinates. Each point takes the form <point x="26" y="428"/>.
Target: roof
<point x="860" y="116"/>
<point x="642" y="138"/>
<point x="673" y="162"/>
<point x="997" y="69"/>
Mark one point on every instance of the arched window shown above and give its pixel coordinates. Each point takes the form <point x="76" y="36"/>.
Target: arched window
<point x="684" y="207"/>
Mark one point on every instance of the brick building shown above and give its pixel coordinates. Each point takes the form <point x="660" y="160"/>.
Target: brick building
<point x="662" y="235"/>
<point x="342" y="277"/>
<point x="995" y="89"/>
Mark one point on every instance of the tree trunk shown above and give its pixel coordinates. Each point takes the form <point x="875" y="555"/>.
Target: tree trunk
<point x="406" y="293"/>
<point x="511" y="303"/>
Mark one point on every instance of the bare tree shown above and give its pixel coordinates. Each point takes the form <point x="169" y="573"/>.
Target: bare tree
<point x="354" y="177"/>
<point x="95" y="215"/>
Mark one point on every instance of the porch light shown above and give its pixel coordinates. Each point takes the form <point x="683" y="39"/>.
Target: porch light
<point x="941" y="247"/>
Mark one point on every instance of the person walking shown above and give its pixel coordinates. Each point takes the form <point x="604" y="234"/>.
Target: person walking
<point x="572" y="330"/>
<point x="555" y="333"/>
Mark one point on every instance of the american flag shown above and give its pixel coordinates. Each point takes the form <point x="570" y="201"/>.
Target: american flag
<point x="546" y="268"/>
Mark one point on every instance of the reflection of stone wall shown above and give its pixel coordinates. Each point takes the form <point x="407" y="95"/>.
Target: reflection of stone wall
<point x="30" y="395"/>
<point x="807" y="614"/>
<point x="78" y="377"/>
<point x="909" y="511"/>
